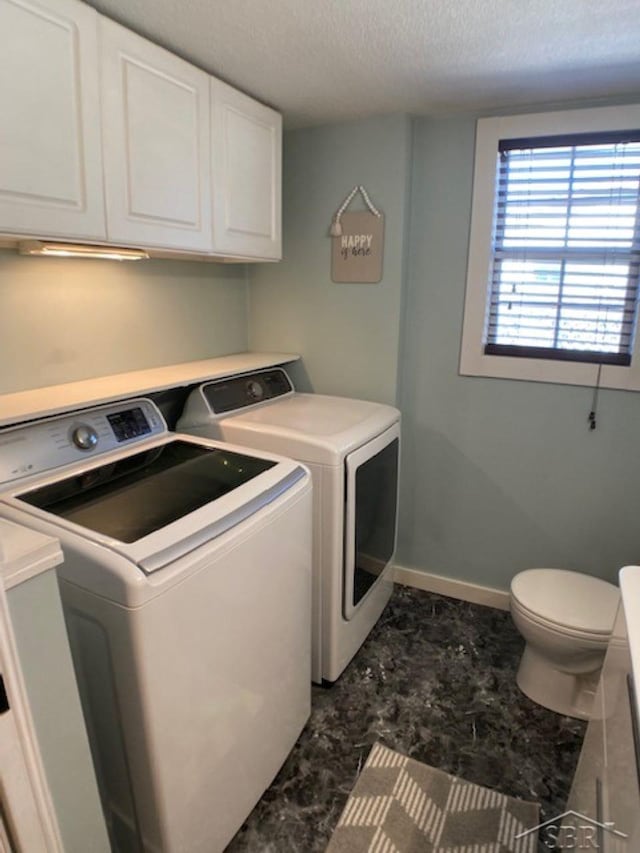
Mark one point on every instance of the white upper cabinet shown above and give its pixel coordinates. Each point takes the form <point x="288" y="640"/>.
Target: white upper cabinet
<point x="106" y="137"/>
<point x="247" y="175"/>
<point x="156" y="144"/>
<point x="50" y="161"/>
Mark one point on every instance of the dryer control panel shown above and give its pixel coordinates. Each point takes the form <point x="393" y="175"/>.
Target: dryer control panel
<point x="32" y="448"/>
<point x="238" y="392"/>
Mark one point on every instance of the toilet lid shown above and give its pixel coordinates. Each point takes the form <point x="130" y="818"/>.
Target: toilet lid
<point x="571" y="599"/>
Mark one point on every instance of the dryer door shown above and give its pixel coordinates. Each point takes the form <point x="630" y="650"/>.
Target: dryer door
<point x="370" y="515"/>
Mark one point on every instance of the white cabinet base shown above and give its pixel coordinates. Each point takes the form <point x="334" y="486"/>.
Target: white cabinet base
<point x="605" y="794"/>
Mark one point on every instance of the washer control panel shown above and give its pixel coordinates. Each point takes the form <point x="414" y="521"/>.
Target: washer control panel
<point x="43" y="445"/>
<point x="238" y="392"/>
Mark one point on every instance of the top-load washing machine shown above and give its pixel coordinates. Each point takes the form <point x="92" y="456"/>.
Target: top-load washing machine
<point x="352" y="449"/>
<point x="193" y="667"/>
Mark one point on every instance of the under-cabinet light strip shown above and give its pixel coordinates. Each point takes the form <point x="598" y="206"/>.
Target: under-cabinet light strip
<point x="71" y="250"/>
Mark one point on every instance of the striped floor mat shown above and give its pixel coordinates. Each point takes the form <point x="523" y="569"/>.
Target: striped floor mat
<point x="399" y="805"/>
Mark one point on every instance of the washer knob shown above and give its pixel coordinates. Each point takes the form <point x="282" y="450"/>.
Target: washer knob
<point x="84" y="437"/>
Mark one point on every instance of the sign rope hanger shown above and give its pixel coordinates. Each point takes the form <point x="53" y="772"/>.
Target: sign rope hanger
<point x="336" y="227"/>
<point x="357" y="241"/>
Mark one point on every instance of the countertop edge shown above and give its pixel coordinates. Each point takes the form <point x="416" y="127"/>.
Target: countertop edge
<point x="21" y="406"/>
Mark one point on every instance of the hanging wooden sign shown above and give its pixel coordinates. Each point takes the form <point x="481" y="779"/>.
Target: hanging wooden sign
<point x="357" y="243"/>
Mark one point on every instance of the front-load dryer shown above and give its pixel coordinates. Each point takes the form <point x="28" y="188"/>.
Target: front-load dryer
<point x="186" y="586"/>
<point x="352" y="449"/>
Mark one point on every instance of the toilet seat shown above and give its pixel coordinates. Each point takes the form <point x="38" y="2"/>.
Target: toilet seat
<point x="570" y="603"/>
<point x="590" y="637"/>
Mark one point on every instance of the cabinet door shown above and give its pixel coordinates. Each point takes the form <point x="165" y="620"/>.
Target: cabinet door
<point x="605" y="795"/>
<point x="156" y="144"/>
<point x="621" y="788"/>
<point x="27" y="817"/>
<point x="247" y="175"/>
<point x="20" y="821"/>
<point x="50" y="163"/>
<point x="585" y="797"/>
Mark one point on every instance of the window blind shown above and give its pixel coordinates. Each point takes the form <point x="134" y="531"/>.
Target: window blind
<point x="566" y="248"/>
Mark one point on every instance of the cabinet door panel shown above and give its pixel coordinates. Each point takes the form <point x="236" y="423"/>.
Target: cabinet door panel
<point x="605" y="787"/>
<point x="156" y="140"/>
<point x="50" y="163"/>
<point x="622" y="799"/>
<point x="247" y="174"/>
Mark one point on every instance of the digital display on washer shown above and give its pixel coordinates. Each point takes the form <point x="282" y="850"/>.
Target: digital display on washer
<point x="132" y="497"/>
<point x="129" y="424"/>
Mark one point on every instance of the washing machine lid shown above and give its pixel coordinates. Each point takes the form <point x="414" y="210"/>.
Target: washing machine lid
<point x="157" y="504"/>
<point x="310" y="427"/>
<point x="134" y="496"/>
<point x="571" y="599"/>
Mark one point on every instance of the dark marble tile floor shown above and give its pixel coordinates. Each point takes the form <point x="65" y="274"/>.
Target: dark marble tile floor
<point x="436" y="681"/>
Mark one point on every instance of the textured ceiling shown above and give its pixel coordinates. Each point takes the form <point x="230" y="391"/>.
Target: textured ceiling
<point x="322" y="61"/>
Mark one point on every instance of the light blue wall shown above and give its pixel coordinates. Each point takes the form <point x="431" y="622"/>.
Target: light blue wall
<point x="62" y="320"/>
<point x="499" y="475"/>
<point x="348" y="334"/>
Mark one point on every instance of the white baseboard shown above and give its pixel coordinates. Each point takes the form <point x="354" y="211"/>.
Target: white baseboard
<point x="453" y="587"/>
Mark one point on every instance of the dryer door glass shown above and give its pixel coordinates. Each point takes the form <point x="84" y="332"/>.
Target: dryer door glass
<point x="372" y="495"/>
<point x="139" y="494"/>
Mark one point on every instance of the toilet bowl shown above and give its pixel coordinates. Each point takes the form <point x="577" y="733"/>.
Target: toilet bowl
<point x="566" y="619"/>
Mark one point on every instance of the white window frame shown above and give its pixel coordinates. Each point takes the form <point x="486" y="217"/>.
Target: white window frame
<point x="473" y="361"/>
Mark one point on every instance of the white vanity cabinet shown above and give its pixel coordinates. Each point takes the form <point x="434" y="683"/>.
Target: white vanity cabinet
<point x="49" y="801"/>
<point x="246" y="157"/>
<point x="606" y="787"/>
<point x="50" y="149"/>
<point x="155" y="111"/>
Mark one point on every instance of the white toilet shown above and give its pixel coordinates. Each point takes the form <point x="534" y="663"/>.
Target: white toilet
<point x="566" y="619"/>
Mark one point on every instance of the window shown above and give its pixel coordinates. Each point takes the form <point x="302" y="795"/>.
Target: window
<point x="554" y="261"/>
<point x="563" y="282"/>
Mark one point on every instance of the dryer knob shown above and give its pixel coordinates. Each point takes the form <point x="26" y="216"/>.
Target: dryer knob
<point x="84" y="437"/>
<point x="254" y="390"/>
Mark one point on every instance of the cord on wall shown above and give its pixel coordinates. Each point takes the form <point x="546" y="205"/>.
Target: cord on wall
<point x="594" y="402"/>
